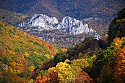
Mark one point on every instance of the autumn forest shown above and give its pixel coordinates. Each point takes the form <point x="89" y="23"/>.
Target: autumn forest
<point x="25" y="58"/>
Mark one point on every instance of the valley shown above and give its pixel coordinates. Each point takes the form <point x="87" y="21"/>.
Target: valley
<point x="62" y="41"/>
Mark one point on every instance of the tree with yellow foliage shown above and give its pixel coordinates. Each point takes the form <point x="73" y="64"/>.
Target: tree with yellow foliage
<point x="31" y="68"/>
<point x="64" y="70"/>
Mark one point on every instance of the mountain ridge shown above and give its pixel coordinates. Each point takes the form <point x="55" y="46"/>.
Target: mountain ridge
<point x="50" y="29"/>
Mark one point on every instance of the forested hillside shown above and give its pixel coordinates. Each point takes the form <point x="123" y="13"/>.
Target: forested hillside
<point x="20" y="54"/>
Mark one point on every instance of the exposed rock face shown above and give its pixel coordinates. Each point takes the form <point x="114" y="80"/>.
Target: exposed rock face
<point x="68" y="24"/>
<point x="51" y="30"/>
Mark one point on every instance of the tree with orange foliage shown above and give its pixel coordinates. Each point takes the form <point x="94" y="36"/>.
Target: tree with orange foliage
<point x="119" y="74"/>
<point x="40" y="79"/>
<point x="63" y="50"/>
<point x="3" y="52"/>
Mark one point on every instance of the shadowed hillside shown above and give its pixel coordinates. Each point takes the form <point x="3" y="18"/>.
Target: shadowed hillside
<point x="11" y="17"/>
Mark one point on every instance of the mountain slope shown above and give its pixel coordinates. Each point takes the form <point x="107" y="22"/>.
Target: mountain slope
<point x="21" y="53"/>
<point x="78" y="9"/>
<point x="47" y="7"/>
<point x="20" y="6"/>
<point x="90" y="8"/>
<point x="11" y="17"/>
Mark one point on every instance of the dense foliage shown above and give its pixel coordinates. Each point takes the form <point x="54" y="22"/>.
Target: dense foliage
<point x="113" y="63"/>
<point x="21" y="54"/>
<point x="25" y="58"/>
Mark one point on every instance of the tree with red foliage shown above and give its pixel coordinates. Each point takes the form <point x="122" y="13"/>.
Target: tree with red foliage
<point x="83" y="77"/>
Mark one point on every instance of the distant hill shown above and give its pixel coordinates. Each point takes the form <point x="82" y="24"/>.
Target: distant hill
<point x="48" y="7"/>
<point x="78" y="9"/>
<point x="11" y="17"/>
<point x="31" y="7"/>
<point x="21" y="53"/>
<point x="19" y="6"/>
